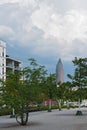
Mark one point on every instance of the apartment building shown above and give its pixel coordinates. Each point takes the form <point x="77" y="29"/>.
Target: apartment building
<point x="2" y="60"/>
<point x="7" y="63"/>
<point x="13" y="64"/>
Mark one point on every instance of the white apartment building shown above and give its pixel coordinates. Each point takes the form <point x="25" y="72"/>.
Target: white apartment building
<point x="7" y="63"/>
<point x="2" y="60"/>
<point x="12" y="64"/>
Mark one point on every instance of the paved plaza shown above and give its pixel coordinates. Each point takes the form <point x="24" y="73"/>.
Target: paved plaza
<point x="43" y="120"/>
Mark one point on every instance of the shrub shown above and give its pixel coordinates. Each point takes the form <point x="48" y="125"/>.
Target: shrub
<point x="5" y="111"/>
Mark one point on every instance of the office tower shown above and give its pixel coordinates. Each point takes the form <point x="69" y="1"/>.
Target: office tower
<point x="59" y="72"/>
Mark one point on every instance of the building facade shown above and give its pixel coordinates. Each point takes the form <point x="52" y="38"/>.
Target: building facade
<point x="59" y="72"/>
<point x="2" y="60"/>
<point x="7" y="63"/>
<point x="12" y="64"/>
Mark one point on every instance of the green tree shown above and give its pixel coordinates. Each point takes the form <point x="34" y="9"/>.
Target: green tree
<point x="63" y="93"/>
<point x="79" y="79"/>
<point x="23" y="88"/>
<point x="1" y="99"/>
<point x="35" y="77"/>
<point x="15" y="95"/>
<point x="49" y="89"/>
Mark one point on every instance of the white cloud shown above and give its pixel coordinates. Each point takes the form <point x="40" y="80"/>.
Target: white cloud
<point x="79" y="4"/>
<point x="6" y="31"/>
<point x="8" y="1"/>
<point x="64" y="28"/>
<point x="28" y="4"/>
<point x="49" y="27"/>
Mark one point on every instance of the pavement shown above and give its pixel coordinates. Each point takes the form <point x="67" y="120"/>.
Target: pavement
<point x="44" y="120"/>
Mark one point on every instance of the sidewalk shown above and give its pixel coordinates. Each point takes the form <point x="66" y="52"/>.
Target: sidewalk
<point x="55" y="120"/>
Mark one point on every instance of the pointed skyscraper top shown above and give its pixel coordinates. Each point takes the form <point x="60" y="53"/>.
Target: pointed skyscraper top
<point x="59" y="60"/>
<point x="59" y="72"/>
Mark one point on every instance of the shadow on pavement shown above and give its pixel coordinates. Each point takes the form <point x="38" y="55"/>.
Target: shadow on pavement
<point x="11" y="125"/>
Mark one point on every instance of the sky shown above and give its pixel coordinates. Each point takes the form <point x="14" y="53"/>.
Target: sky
<point x="45" y="30"/>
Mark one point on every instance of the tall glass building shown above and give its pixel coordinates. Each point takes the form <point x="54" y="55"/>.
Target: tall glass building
<point x="59" y="72"/>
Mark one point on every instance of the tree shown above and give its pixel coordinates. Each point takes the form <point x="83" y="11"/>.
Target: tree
<point x="1" y="99"/>
<point x="23" y="88"/>
<point x="15" y="95"/>
<point x="79" y="79"/>
<point x="49" y="89"/>
<point x="35" y="77"/>
<point x="63" y="92"/>
<point x="80" y="73"/>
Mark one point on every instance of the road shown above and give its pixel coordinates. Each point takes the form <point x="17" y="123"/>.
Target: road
<point x="55" y="120"/>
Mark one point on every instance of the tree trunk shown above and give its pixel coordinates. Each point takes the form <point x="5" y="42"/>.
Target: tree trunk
<point x="22" y="118"/>
<point x="59" y="103"/>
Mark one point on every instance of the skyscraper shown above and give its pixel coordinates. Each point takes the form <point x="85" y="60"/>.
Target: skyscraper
<point x="59" y="72"/>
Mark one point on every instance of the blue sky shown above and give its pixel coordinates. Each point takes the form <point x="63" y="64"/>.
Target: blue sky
<point x="45" y="30"/>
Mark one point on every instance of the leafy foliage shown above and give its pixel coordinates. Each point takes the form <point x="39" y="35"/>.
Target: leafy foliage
<point x="49" y="87"/>
<point x="80" y="73"/>
<point x="79" y="79"/>
<point x="23" y="88"/>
